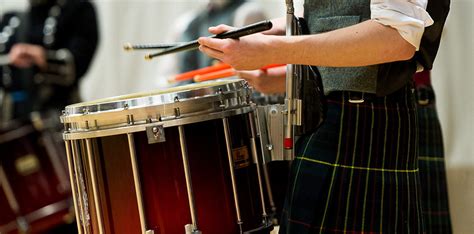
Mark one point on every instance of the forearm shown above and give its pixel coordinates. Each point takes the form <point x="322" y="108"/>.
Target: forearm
<point x="363" y="44"/>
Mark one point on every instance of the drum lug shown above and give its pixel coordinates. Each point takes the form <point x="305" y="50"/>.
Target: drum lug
<point x="222" y="103"/>
<point x="130" y="120"/>
<point x="177" y="112"/>
<point x="155" y="134"/>
<point x="22" y="225"/>
<point x="150" y="232"/>
<point x="189" y="229"/>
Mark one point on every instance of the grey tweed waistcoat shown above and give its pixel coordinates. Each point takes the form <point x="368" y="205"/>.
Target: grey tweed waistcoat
<point x="327" y="15"/>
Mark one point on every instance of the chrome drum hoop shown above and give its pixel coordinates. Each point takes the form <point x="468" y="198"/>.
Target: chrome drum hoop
<point x="197" y="103"/>
<point x="77" y="135"/>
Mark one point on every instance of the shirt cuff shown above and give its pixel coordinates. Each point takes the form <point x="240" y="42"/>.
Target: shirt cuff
<point x="408" y="18"/>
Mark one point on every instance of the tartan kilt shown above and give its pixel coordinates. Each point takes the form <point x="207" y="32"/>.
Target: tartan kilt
<point x="358" y="173"/>
<point x="434" y="191"/>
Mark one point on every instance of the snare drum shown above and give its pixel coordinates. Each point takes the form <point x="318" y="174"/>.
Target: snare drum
<point x="35" y="193"/>
<point x="183" y="160"/>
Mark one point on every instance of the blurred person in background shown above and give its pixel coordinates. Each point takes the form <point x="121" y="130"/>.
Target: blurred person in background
<point x="44" y="51"/>
<point x="434" y="188"/>
<point x="49" y="48"/>
<point x="231" y="12"/>
<point x="431" y="159"/>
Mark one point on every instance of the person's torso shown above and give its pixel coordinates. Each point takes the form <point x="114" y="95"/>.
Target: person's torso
<point x="199" y="27"/>
<point x="28" y="92"/>
<point x="328" y="15"/>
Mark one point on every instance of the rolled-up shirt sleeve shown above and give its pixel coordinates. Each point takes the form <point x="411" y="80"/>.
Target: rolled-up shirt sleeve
<point x="409" y="17"/>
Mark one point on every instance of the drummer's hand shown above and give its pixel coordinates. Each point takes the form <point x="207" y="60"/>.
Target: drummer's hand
<point x="26" y="55"/>
<point x="271" y="81"/>
<point x="246" y="53"/>
<point x="221" y="28"/>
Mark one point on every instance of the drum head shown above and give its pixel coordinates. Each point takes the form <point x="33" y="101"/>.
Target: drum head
<point x="173" y="106"/>
<point x="154" y="93"/>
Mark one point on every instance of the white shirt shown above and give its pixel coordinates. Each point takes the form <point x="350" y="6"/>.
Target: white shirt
<point x="409" y="17"/>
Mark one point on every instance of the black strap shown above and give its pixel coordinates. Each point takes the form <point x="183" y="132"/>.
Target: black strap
<point x="310" y="91"/>
<point x="438" y="10"/>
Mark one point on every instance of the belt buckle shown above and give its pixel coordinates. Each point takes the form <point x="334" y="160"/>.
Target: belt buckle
<point x="356" y="100"/>
<point x="423" y="97"/>
<point x="424" y="102"/>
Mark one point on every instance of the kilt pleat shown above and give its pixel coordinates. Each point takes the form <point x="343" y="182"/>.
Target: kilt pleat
<point x="358" y="173"/>
<point x="432" y="166"/>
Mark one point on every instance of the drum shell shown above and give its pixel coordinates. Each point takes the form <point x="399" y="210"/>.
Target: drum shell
<point x="36" y="180"/>
<point x="162" y="179"/>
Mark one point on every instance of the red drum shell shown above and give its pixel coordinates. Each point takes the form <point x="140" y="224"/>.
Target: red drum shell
<point x="42" y="195"/>
<point x="163" y="181"/>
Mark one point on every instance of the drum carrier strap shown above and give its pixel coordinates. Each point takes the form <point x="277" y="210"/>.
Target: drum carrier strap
<point x="305" y="105"/>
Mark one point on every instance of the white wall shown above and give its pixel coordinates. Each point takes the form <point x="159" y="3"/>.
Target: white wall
<point x="150" y="21"/>
<point x="7" y="5"/>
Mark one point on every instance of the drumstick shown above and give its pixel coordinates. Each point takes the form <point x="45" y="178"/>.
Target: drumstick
<point x="234" y="34"/>
<point x="215" y="75"/>
<point x="227" y="73"/>
<point x="130" y="47"/>
<point x="211" y="69"/>
<point x="191" y="74"/>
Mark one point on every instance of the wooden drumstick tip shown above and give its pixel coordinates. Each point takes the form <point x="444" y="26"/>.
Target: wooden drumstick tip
<point x="148" y="57"/>
<point x="128" y="47"/>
